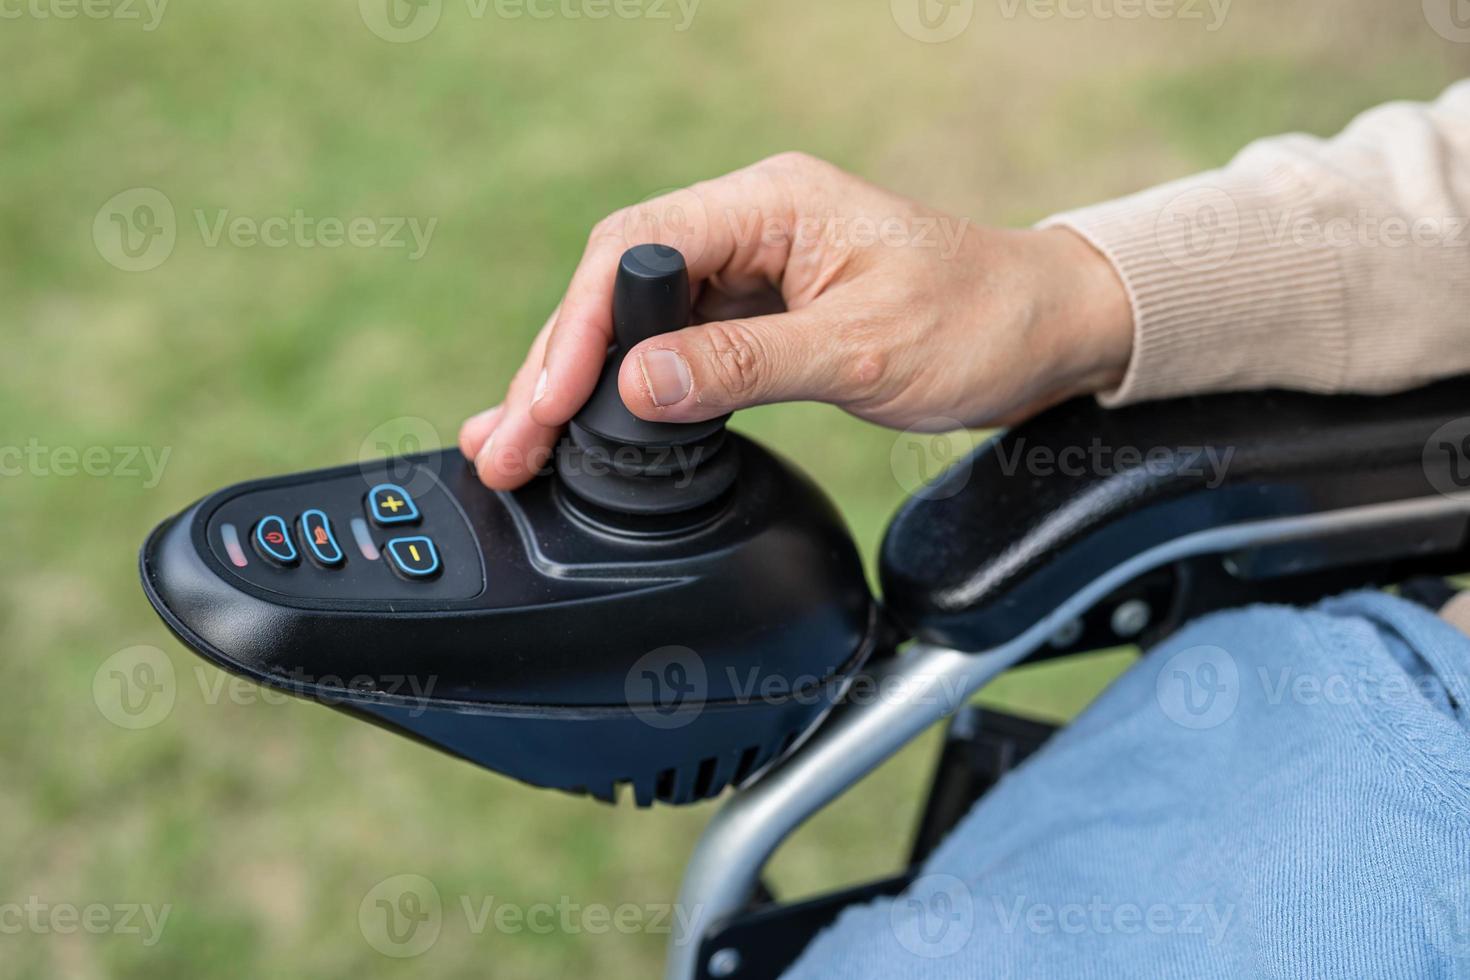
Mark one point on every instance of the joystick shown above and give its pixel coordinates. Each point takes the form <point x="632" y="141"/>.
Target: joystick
<point x="625" y="466"/>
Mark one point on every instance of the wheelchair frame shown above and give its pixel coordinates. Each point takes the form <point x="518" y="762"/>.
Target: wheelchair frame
<point x="1320" y="543"/>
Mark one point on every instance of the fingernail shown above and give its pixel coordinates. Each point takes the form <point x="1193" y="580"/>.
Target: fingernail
<point x="667" y="375"/>
<point x="540" y="390"/>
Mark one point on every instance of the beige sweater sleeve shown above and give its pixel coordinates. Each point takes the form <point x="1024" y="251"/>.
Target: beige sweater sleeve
<point x="1325" y="265"/>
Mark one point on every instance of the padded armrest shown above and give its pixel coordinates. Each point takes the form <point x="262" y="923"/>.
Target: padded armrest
<point x="1038" y="512"/>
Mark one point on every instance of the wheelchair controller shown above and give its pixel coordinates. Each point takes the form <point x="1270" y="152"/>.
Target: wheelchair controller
<point x="671" y="609"/>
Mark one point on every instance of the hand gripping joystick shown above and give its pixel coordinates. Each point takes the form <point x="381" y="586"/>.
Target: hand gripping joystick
<point x="612" y="459"/>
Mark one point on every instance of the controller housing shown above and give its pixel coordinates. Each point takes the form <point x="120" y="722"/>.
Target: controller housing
<point x="529" y="635"/>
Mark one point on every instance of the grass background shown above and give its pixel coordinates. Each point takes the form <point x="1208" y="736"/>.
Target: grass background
<point x="264" y="825"/>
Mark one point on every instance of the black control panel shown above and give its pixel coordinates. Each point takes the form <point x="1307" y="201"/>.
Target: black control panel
<point x="378" y="533"/>
<point x="621" y="621"/>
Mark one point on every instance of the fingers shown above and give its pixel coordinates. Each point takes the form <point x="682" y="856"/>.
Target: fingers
<point x="507" y="446"/>
<point x="715" y="225"/>
<point x="477" y="428"/>
<point x="704" y="371"/>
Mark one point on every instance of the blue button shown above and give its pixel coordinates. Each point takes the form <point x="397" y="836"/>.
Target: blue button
<point x="273" y="540"/>
<point x="388" y="503"/>
<point x="316" y="531"/>
<point x="414" y="557"/>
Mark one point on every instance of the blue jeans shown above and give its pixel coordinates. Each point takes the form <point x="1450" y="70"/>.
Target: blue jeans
<point x="1272" y="792"/>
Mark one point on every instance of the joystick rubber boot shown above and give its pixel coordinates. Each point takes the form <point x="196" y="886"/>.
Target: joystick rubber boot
<point x="625" y="465"/>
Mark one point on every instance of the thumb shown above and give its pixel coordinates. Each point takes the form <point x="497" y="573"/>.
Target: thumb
<point x="704" y="371"/>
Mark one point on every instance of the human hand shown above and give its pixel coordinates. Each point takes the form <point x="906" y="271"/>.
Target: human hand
<point x="811" y="284"/>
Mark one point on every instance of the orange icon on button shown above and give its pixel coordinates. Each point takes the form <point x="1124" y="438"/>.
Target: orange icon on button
<point x="321" y="535"/>
<point x="274" y="537"/>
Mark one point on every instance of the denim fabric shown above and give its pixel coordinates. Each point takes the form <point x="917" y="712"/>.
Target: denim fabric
<point x="1272" y="792"/>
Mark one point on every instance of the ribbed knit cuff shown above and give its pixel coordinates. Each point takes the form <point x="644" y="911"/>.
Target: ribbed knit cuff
<point x="1227" y="293"/>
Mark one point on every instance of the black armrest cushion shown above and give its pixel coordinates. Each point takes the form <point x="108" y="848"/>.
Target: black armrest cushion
<point x="1038" y="512"/>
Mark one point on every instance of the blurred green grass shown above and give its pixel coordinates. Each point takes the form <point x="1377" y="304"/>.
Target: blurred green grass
<point x="263" y="825"/>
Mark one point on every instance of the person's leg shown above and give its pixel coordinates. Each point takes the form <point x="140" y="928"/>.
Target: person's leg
<point x="1271" y="792"/>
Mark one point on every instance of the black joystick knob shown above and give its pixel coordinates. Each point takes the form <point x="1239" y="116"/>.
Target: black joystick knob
<point x="618" y="462"/>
